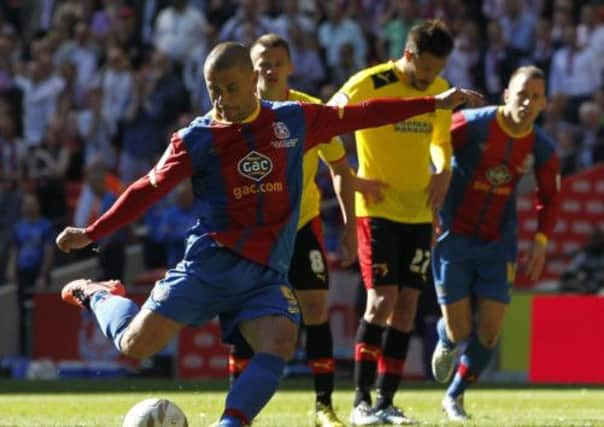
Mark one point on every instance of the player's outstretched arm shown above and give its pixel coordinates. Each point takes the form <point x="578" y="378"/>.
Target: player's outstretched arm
<point x="456" y="97"/>
<point x="172" y="168"/>
<point x="325" y="122"/>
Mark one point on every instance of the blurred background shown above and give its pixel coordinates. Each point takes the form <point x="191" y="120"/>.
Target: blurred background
<point x="91" y="89"/>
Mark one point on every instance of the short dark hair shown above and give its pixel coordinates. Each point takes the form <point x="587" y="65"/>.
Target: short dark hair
<point x="531" y="71"/>
<point x="271" y="40"/>
<point x="228" y="55"/>
<point x="431" y="36"/>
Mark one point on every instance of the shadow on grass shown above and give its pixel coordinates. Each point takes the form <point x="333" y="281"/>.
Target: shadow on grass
<point x="137" y="385"/>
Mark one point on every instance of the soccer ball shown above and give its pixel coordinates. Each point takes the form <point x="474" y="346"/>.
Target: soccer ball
<point x="155" y="413"/>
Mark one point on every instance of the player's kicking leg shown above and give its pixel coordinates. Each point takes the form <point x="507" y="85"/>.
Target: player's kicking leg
<point x="135" y="333"/>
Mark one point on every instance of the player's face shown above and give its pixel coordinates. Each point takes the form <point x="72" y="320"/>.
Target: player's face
<point x="232" y="92"/>
<point x="274" y="67"/>
<point x="423" y="68"/>
<point x="525" y="99"/>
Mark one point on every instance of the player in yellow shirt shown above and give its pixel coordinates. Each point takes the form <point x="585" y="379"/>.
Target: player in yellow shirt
<point x="308" y="271"/>
<point x="394" y="235"/>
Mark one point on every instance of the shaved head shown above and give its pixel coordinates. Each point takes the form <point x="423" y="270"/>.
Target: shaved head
<point x="228" y="55"/>
<point x="231" y="81"/>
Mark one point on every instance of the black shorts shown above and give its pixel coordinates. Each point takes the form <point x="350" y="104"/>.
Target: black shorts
<point x="393" y="253"/>
<point x="308" y="269"/>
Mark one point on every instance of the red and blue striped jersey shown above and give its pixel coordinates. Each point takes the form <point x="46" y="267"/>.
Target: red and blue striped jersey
<point x="488" y="162"/>
<point x="247" y="177"/>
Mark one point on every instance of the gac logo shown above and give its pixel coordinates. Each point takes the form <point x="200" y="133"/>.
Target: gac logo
<point x="255" y="166"/>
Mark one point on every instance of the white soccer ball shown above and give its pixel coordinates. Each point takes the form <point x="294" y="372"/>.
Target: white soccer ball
<point x="155" y="413"/>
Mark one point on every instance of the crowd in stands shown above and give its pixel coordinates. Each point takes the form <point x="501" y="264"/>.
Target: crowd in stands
<point x="90" y="91"/>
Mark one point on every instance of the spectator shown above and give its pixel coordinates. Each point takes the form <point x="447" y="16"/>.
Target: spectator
<point x="12" y="151"/>
<point x="499" y="62"/>
<point x="346" y="66"/>
<point x="585" y="274"/>
<point x="105" y="19"/>
<point x="292" y="17"/>
<point x="562" y="17"/>
<point x="30" y="260"/>
<point x="192" y="75"/>
<point x="116" y="83"/>
<point x="178" y="29"/>
<point x="248" y="16"/>
<point x="518" y="26"/>
<point x="573" y="72"/>
<point x="82" y="52"/>
<point x="544" y="49"/>
<point x="338" y="30"/>
<point x="95" y="198"/>
<point x="309" y="71"/>
<point x="95" y="129"/>
<point x="461" y="66"/>
<point x="10" y="206"/>
<point x="567" y="151"/>
<point x="159" y="97"/>
<point x="47" y="166"/>
<point x="398" y="20"/>
<point x="176" y="221"/>
<point x="591" y="135"/>
<point x="41" y="88"/>
<point x="588" y="23"/>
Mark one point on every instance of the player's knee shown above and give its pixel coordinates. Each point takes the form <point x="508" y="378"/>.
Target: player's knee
<point x="282" y="346"/>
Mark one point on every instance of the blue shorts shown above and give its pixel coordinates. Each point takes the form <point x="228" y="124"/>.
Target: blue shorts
<point x="214" y="281"/>
<point x="464" y="266"/>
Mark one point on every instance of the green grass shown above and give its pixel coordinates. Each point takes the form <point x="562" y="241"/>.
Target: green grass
<point x="104" y="403"/>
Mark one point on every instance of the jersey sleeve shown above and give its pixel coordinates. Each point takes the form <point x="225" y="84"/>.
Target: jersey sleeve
<point x="440" y="145"/>
<point x="332" y="151"/>
<point x="173" y="167"/>
<point x="459" y="130"/>
<point x="547" y="174"/>
<point x="326" y="121"/>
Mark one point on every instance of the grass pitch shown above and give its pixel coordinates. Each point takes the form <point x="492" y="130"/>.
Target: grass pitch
<point x="104" y="403"/>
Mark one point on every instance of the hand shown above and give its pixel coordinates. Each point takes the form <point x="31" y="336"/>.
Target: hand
<point x="72" y="238"/>
<point x="349" y="244"/>
<point x="372" y="190"/>
<point x="437" y="189"/>
<point x="536" y="260"/>
<point x="455" y="97"/>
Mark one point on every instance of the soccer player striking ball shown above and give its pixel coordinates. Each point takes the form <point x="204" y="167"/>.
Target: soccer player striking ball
<point x="308" y="272"/>
<point x="476" y="253"/>
<point x="395" y="235"/>
<point x="244" y="159"/>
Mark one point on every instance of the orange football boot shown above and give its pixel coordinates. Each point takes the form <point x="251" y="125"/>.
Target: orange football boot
<point x="79" y="291"/>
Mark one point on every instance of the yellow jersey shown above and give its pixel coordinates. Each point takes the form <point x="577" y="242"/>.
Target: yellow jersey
<point x="397" y="154"/>
<point x="330" y="152"/>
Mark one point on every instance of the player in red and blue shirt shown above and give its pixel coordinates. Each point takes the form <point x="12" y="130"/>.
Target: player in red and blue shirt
<point x="475" y="254"/>
<point x="244" y="159"/>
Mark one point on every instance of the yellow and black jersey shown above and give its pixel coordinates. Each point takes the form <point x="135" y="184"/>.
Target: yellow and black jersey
<point x="397" y="154"/>
<point x="330" y="152"/>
